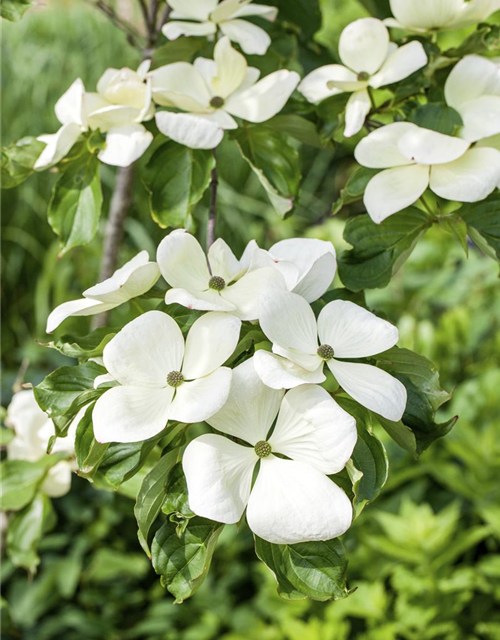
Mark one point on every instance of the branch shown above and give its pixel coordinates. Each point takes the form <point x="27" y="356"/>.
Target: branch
<point x="133" y="36"/>
<point x="212" y="212"/>
<point x="120" y="204"/>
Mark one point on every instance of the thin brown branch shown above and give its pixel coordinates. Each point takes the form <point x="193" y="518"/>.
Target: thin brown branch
<point x="133" y="36"/>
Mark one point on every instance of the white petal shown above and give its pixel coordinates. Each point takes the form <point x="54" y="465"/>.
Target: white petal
<point x="58" y="145"/>
<point x="312" y="428"/>
<point x="373" y="388"/>
<point x="131" y="414"/>
<point x="288" y="321"/>
<point x="69" y="107"/>
<point x="182" y="261"/>
<point x="200" y="300"/>
<point x="113" y="115"/>
<point x="222" y="261"/>
<point x="252" y="39"/>
<point x="189" y="129"/>
<point x="425" y="146"/>
<point x="226" y="9"/>
<point x="251" y="407"/>
<point x="481" y="118"/>
<point x="347" y="86"/>
<point x="425" y="14"/>
<point x="125" y="145"/>
<point x="314" y="87"/>
<point x="363" y="45"/>
<point x="265" y="98"/>
<point x="393" y="190"/>
<point x="220" y="118"/>
<point x="198" y="400"/>
<point x="261" y="10"/>
<point x="471" y="178"/>
<point x="358" y="107"/>
<point x="400" y="64"/>
<point x="176" y="28"/>
<point x="354" y="332"/>
<point x="231" y="68"/>
<point x="315" y="261"/>
<point x="195" y="10"/>
<point x="280" y="373"/>
<point x="180" y="85"/>
<point x="474" y="11"/>
<point x="293" y="502"/>
<point x="145" y="351"/>
<point x="379" y="150"/>
<point x="245" y="293"/>
<point x="210" y="342"/>
<point x="219" y="477"/>
<point x="81" y="307"/>
<point x="57" y="482"/>
<point x="471" y="78"/>
<point x="310" y="362"/>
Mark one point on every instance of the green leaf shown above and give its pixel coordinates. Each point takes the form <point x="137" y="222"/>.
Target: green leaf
<point x="88" y="346"/>
<point x="425" y="396"/>
<point x="485" y="37"/>
<point x="176" y="178"/>
<point x="122" y="461"/>
<point x="315" y="570"/>
<point x="25" y="530"/>
<point x="437" y="117"/>
<point x="332" y="112"/>
<point x="13" y="10"/>
<point x="89" y="452"/>
<point x="457" y="227"/>
<point x="378" y="8"/>
<point x="379" y="250"/>
<point x="21" y="480"/>
<point x="76" y="203"/>
<point x="274" y="161"/>
<point x="176" y="499"/>
<point x="355" y="188"/>
<point x="183" y="561"/>
<point x="305" y="14"/>
<point x="152" y="495"/>
<point x="369" y="456"/>
<point x="18" y="159"/>
<point x="297" y="127"/>
<point x="6" y="436"/>
<point x="483" y="223"/>
<point x="182" y="49"/>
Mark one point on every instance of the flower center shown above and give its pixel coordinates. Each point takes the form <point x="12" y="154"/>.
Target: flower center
<point x="217" y="102"/>
<point x="363" y="76"/>
<point x="263" y="449"/>
<point x="175" y="379"/>
<point x="325" y="352"/>
<point x="216" y="283"/>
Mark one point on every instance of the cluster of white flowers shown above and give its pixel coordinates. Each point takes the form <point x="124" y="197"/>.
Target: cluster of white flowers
<point x="162" y="376"/>
<point x="33" y="430"/>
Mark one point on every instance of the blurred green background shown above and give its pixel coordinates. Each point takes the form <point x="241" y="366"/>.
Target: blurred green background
<point x="425" y="558"/>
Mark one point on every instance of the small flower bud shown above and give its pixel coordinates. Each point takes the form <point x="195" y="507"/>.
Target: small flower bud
<point x="216" y="283"/>
<point x="175" y="379"/>
<point x="263" y="449"/>
<point x="217" y="102"/>
<point x="363" y="76"/>
<point x="325" y="352"/>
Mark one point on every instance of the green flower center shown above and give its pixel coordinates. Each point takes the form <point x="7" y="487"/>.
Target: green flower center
<point x="263" y="449"/>
<point x="363" y="76"/>
<point x="216" y="283"/>
<point x="217" y="102"/>
<point x="325" y="352"/>
<point x="175" y="379"/>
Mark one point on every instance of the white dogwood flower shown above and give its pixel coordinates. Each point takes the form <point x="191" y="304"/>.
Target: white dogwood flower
<point x="162" y="377"/>
<point x="369" y="60"/>
<point x="33" y="430"/>
<point x="292" y="499"/>
<point x="345" y="330"/>
<point x="206" y="17"/>
<point x="221" y="283"/>
<point x="491" y="143"/>
<point x="421" y="16"/>
<point x="133" y="279"/>
<point x="121" y="103"/>
<point x="211" y="92"/>
<point x="473" y="89"/>
<point x="415" y="159"/>
<point x="308" y="265"/>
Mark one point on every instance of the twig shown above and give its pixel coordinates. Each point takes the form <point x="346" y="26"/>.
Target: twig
<point x="212" y="212"/>
<point x="164" y="18"/>
<point x="120" y="204"/>
<point x="133" y="36"/>
<point x="18" y="383"/>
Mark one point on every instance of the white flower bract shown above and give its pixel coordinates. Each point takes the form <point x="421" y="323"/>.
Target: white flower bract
<point x="211" y="92"/>
<point x="205" y="17"/>
<point x="414" y="159"/>
<point x="162" y="377"/>
<point x="346" y="331"/>
<point x="292" y="500"/>
<point x="133" y="279"/>
<point x="228" y="285"/>
<point x="370" y="60"/>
